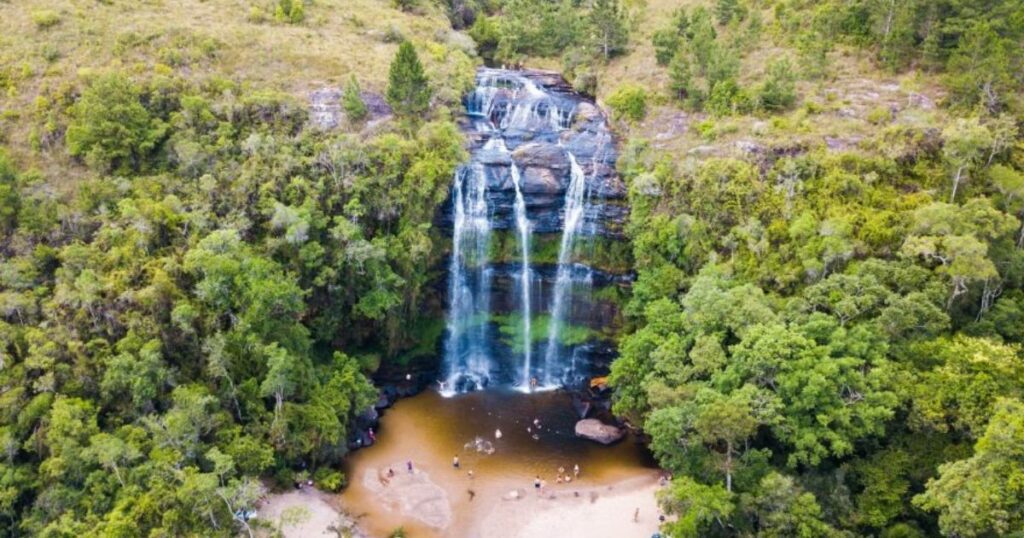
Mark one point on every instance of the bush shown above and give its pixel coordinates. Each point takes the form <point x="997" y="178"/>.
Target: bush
<point x="290" y="11"/>
<point x="328" y="479"/>
<point x="879" y="115"/>
<point x="45" y="18"/>
<point x="110" y="128"/>
<point x="629" y="102"/>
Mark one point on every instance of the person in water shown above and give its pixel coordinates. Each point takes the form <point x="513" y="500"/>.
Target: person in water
<point x="536" y="483"/>
<point x="576" y="470"/>
<point x="455" y="461"/>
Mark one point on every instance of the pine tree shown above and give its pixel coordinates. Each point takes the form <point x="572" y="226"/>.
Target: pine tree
<point x="408" y="92"/>
<point x="352" y="101"/>
<point x="608" y="27"/>
<point x="725" y="10"/>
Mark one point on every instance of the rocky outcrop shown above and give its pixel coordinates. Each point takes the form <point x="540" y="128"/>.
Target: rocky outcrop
<point x="595" y="430"/>
<point x="539" y="136"/>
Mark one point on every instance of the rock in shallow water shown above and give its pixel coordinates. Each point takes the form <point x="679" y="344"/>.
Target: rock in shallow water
<point x="595" y="430"/>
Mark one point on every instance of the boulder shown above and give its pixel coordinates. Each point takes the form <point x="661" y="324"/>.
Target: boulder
<point x="542" y="155"/>
<point x="538" y="180"/>
<point x="595" y="430"/>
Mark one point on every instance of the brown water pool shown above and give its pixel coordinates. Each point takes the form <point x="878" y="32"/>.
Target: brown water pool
<point x="429" y="429"/>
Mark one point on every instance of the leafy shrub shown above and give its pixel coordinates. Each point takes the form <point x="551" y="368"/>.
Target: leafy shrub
<point x="290" y="11"/>
<point x="110" y="128"/>
<point x="329" y="479"/>
<point x="879" y="115"/>
<point x="485" y="33"/>
<point x="628" y="102"/>
<point x="585" y="82"/>
<point x="393" y="35"/>
<point x="45" y="18"/>
<point x="404" y="5"/>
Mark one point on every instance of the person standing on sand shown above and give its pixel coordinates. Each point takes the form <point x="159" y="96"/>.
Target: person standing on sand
<point x="408" y="465"/>
<point x="576" y="470"/>
<point x="536" y="483"/>
<point x="455" y="461"/>
<point x="636" y="515"/>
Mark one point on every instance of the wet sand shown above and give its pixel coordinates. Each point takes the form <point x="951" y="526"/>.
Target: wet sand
<point x="434" y="500"/>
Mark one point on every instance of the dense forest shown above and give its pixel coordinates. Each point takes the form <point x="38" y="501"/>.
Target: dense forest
<point x="197" y="285"/>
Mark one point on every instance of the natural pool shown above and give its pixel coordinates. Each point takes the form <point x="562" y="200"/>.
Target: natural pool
<point x="435" y="501"/>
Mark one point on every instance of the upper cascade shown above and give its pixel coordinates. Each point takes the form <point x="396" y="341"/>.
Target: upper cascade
<point x="542" y="168"/>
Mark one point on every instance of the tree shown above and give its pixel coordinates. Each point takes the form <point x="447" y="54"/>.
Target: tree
<point x="781" y="510"/>
<point x="112" y="452"/>
<point x="700" y="508"/>
<point x="352" y="101"/>
<point x="666" y="44"/>
<point x="967" y="377"/>
<point x="966" y="143"/>
<point x="982" y="495"/>
<point x="408" y="91"/>
<point x="680" y="78"/>
<point x="111" y="128"/>
<point x="778" y="92"/>
<point x="727" y="10"/>
<point x="608" y="27"/>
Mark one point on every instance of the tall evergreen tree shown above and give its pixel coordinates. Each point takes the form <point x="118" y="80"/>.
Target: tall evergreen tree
<point x="608" y="27"/>
<point x="352" y="101"/>
<point x="408" y="92"/>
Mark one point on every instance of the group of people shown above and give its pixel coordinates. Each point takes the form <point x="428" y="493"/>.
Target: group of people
<point x="562" y="477"/>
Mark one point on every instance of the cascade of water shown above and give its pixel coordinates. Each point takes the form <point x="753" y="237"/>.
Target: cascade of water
<point x="513" y="109"/>
<point x="466" y="349"/>
<point x="574" y="209"/>
<point x="523" y="225"/>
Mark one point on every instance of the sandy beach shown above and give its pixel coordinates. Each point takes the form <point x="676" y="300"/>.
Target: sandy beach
<point x="596" y="512"/>
<point x="599" y="512"/>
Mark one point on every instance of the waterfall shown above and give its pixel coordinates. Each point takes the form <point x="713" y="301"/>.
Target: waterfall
<point x="574" y="209"/>
<point x="523" y="225"/>
<point x="522" y="179"/>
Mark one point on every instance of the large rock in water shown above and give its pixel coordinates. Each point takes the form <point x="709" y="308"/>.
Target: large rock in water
<point x="595" y="430"/>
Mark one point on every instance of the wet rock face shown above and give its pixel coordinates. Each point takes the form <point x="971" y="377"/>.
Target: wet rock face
<point x="539" y="136"/>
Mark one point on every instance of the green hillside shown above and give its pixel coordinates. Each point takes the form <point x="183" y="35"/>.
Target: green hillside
<point x="198" y="280"/>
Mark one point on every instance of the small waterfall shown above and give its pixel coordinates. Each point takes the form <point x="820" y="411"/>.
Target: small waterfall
<point x="523" y="225"/>
<point x="574" y="210"/>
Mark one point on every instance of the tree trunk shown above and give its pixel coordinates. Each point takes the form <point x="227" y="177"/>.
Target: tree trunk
<point x="956" y="184"/>
<point x="728" y="466"/>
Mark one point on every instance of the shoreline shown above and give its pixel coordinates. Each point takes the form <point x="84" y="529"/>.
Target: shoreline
<point x="599" y="510"/>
